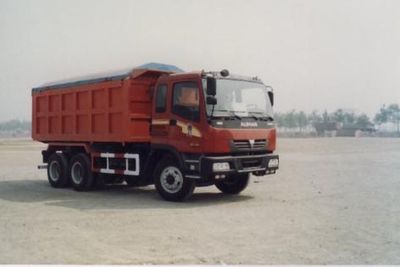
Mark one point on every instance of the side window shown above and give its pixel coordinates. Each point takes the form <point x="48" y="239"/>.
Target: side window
<point x="185" y="100"/>
<point x="161" y="98"/>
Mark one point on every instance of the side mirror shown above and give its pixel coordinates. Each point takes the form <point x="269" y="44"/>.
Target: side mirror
<point x="211" y="100"/>
<point x="271" y="97"/>
<point x="211" y="86"/>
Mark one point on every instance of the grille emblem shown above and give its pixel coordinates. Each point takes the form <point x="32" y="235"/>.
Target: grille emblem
<point x="251" y="141"/>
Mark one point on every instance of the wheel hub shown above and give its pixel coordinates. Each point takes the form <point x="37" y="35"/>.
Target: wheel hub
<point x="77" y="172"/>
<point x="54" y="171"/>
<point x="171" y="179"/>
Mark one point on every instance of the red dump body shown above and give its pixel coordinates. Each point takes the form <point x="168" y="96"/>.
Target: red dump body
<point x="113" y="109"/>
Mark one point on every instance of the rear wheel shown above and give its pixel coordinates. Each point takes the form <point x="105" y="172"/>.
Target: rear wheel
<point x="57" y="170"/>
<point x="233" y="184"/>
<point x="170" y="181"/>
<point x="82" y="178"/>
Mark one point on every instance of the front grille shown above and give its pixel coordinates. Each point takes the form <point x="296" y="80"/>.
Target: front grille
<point x="246" y="145"/>
<point x="251" y="163"/>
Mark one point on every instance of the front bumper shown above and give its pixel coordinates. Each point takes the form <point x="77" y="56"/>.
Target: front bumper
<point x="256" y="164"/>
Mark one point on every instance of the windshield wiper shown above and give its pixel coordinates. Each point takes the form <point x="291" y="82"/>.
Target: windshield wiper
<point x="255" y="117"/>
<point x="263" y="116"/>
<point x="230" y="112"/>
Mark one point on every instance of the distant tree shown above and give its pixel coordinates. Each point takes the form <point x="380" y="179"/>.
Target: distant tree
<point x="382" y="116"/>
<point x="363" y="121"/>
<point x="394" y="115"/>
<point x="301" y="119"/>
<point x="349" y="118"/>
<point x="14" y="125"/>
<point x="389" y="114"/>
<point x="339" y="116"/>
<point x="281" y="120"/>
<point x="326" y="117"/>
<point x="314" y="117"/>
<point x="290" y="119"/>
<point x="278" y="117"/>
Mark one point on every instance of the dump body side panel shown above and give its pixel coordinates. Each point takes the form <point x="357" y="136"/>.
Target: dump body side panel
<point x="108" y="111"/>
<point x="139" y="109"/>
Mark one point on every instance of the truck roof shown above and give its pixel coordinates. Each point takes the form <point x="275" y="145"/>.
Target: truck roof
<point x="109" y="76"/>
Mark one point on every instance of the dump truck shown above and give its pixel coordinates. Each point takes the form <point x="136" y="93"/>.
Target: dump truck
<point x="156" y="125"/>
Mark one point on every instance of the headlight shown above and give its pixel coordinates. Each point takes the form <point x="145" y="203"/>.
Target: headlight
<point x="221" y="166"/>
<point x="273" y="163"/>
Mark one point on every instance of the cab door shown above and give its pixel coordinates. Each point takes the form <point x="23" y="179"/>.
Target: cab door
<point x="186" y="115"/>
<point x="177" y="115"/>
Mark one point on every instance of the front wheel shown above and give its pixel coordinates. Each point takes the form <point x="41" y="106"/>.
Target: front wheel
<point x="233" y="184"/>
<point x="170" y="181"/>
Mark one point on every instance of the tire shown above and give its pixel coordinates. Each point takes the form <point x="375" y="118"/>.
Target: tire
<point x="170" y="182"/>
<point x="234" y="184"/>
<point x="58" y="171"/>
<point x="82" y="178"/>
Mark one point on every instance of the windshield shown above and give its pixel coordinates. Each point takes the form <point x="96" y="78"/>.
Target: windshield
<point x="240" y="98"/>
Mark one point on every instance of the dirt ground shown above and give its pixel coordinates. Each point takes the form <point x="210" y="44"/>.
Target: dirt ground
<point x="334" y="201"/>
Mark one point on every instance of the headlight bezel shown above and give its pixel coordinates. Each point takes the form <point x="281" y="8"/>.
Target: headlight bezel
<point x="221" y="166"/>
<point x="273" y="163"/>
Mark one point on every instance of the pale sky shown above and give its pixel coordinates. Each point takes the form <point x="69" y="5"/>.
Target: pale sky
<point x="315" y="54"/>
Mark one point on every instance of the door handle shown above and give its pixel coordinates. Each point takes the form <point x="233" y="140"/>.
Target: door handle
<point x="172" y="122"/>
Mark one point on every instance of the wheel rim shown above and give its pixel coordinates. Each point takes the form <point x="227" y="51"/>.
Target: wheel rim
<point x="171" y="179"/>
<point x="77" y="172"/>
<point x="54" y="171"/>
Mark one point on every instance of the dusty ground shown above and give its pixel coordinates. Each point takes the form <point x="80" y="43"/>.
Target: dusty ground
<point x="334" y="201"/>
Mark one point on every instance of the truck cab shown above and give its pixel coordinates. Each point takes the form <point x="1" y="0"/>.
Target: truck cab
<point x="219" y="126"/>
